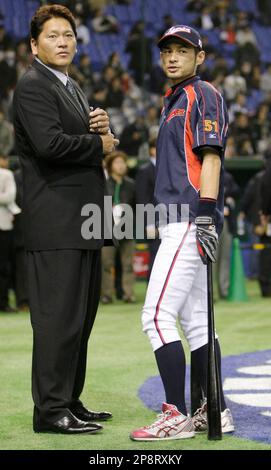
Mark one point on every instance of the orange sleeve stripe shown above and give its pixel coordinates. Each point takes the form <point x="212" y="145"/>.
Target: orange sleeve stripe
<point x="193" y="165"/>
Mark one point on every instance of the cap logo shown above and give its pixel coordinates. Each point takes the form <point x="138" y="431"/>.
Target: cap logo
<point x="200" y="43"/>
<point x="176" y="29"/>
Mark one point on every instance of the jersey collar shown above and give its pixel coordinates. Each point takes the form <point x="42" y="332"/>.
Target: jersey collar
<point x="177" y="89"/>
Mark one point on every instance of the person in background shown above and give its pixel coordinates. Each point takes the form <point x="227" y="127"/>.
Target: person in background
<point x="145" y="181"/>
<point x="140" y="50"/>
<point x="103" y="23"/>
<point x="122" y="190"/>
<point x="20" y="264"/>
<point x="222" y="266"/>
<point x="6" y="135"/>
<point x="265" y="230"/>
<point x="8" y="209"/>
<point x="249" y="218"/>
<point x="133" y="135"/>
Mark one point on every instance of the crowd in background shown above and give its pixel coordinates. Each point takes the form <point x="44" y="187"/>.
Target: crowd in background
<point x="133" y="96"/>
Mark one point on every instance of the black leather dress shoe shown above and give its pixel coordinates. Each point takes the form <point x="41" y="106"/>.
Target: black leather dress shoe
<point x="69" y="424"/>
<point x="87" y="415"/>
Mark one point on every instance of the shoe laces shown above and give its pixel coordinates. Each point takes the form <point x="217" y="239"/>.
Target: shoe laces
<point x="161" y="417"/>
<point x="199" y="414"/>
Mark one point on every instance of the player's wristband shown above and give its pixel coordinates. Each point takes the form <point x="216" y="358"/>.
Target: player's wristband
<point x="206" y="207"/>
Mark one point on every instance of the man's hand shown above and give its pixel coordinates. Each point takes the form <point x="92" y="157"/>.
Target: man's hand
<point x="99" y="121"/>
<point x="207" y="238"/>
<point x="109" y="143"/>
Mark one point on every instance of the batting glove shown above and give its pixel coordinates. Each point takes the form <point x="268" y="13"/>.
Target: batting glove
<point x="207" y="238"/>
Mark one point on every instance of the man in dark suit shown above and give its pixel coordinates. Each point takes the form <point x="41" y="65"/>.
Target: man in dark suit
<point x="61" y="146"/>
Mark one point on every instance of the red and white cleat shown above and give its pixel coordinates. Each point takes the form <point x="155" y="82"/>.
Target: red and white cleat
<point x="200" y="420"/>
<point x="170" y="424"/>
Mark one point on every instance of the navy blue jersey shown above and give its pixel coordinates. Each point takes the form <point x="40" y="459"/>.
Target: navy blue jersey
<point x="194" y="116"/>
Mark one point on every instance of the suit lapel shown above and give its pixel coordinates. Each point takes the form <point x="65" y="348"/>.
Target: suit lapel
<point x="82" y="99"/>
<point x="83" y="115"/>
<point x="61" y="88"/>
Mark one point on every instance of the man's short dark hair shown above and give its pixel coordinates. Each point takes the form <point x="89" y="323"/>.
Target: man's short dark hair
<point x="47" y="12"/>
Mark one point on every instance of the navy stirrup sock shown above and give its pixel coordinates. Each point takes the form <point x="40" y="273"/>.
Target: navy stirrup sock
<point x="170" y="360"/>
<point x="200" y="362"/>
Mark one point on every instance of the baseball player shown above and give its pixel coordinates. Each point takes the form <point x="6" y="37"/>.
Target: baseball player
<point x="189" y="173"/>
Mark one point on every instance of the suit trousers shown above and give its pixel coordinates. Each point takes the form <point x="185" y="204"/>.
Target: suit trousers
<point x="64" y="292"/>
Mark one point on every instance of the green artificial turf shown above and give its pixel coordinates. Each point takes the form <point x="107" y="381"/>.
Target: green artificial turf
<point x="120" y="360"/>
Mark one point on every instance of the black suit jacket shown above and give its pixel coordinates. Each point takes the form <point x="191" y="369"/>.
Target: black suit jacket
<point x="61" y="161"/>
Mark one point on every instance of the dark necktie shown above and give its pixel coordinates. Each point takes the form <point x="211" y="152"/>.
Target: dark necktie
<point x="72" y="91"/>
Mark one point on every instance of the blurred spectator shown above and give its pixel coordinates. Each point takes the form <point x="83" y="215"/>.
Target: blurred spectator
<point x="133" y="135"/>
<point x="262" y="127"/>
<point x="83" y="35"/>
<point x="123" y="2"/>
<point x="109" y="73"/>
<point x="220" y="67"/>
<point x="195" y="5"/>
<point x="247" y="72"/>
<point x="157" y="79"/>
<point x="114" y="62"/>
<point x="265" y="230"/>
<point x="256" y="77"/>
<point x="241" y="19"/>
<point x="249" y="219"/>
<point x="168" y="23"/>
<point x="234" y="84"/>
<point x="228" y="34"/>
<point x="225" y="242"/>
<point x="218" y="81"/>
<point x="6" y="135"/>
<point x="98" y="100"/>
<point x="264" y="8"/>
<point x="122" y="190"/>
<point x="210" y="49"/>
<point x="145" y="180"/>
<point x="245" y="147"/>
<point x="152" y="118"/>
<point x="103" y="23"/>
<point x="115" y="95"/>
<point x="244" y="135"/>
<point x="220" y="16"/>
<point x="247" y="53"/>
<point x="204" y="21"/>
<point x="8" y="209"/>
<point x="230" y="151"/>
<point x="265" y="83"/>
<point x="245" y="35"/>
<point x="238" y="106"/>
<point x="6" y="41"/>
<point x="8" y="74"/>
<point x="266" y="189"/>
<point x="139" y="48"/>
<point x="85" y="68"/>
<point x="23" y="58"/>
<point x="20" y="264"/>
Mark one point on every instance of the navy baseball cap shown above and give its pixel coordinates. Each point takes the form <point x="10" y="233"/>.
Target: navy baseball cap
<point x="183" y="32"/>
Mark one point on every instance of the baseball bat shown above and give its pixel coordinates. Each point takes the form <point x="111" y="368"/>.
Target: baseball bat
<point x="213" y="395"/>
<point x="195" y="388"/>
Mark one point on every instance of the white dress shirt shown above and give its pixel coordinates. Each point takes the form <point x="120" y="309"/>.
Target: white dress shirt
<point x="63" y="77"/>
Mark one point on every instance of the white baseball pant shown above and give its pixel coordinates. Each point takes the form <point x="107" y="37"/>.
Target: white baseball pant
<point x="177" y="290"/>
